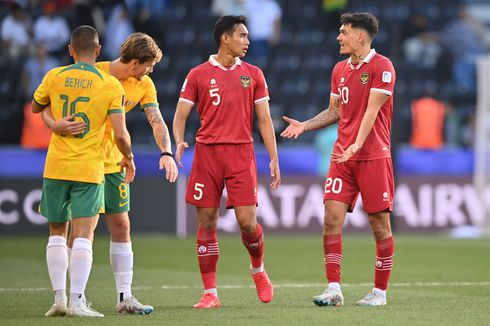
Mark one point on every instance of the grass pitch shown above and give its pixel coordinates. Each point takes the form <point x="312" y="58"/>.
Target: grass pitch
<point x="435" y="281"/>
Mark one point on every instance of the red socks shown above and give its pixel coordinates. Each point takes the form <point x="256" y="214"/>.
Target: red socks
<point x="255" y="246"/>
<point x="207" y="250"/>
<point x="332" y="248"/>
<point x="384" y="262"/>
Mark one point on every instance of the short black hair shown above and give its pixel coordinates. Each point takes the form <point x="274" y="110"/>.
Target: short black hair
<point x="227" y="24"/>
<point x="363" y="20"/>
<point x="84" y="39"/>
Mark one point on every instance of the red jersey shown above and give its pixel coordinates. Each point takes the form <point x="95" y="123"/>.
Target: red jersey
<point x="225" y="98"/>
<point x="353" y="84"/>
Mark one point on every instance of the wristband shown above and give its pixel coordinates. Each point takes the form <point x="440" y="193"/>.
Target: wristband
<point x="167" y="154"/>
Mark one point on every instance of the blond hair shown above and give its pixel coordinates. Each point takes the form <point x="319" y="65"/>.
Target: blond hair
<point x="142" y="47"/>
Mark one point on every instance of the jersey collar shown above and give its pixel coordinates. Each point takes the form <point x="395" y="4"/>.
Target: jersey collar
<point x="365" y="60"/>
<point x="214" y="62"/>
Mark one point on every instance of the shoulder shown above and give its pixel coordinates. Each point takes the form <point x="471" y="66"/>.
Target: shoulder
<point x="254" y="70"/>
<point x="147" y="82"/>
<point x="380" y="59"/>
<point x="112" y="82"/>
<point x="103" y="65"/>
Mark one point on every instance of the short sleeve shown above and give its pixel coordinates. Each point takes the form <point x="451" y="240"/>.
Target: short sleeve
<point x="334" y="84"/>
<point x="150" y="97"/>
<point x="188" y="92"/>
<point x="41" y="95"/>
<point x="384" y="78"/>
<point x="261" y="90"/>
<point x="117" y="98"/>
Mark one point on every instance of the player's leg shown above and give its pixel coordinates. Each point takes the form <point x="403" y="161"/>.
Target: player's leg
<point x="241" y="185"/>
<point x="116" y="206"/>
<point x="253" y="240"/>
<point x="380" y="224"/>
<point x="340" y="196"/>
<point x="335" y="212"/>
<point x="207" y="251"/>
<point x="86" y="200"/>
<point x="53" y="206"/>
<point x="204" y="190"/>
<point x="377" y="190"/>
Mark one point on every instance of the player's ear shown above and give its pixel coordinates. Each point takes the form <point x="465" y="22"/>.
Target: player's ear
<point x="98" y="49"/>
<point x="70" y="50"/>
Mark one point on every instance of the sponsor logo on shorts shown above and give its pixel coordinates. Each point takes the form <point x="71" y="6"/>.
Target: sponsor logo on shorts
<point x="385" y="196"/>
<point x="123" y="204"/>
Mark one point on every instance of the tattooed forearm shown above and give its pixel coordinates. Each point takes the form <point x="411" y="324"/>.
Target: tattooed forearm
<point x="160" y="130"/>
<point x="324" y="118"/>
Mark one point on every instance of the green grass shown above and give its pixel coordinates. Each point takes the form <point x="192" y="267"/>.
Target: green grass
<point x="426" y="284"/>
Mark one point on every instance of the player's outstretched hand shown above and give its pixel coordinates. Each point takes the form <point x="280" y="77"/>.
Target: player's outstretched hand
<point x="275" y="174"/>
<point x="180" y="152"/>
<point x="128" y="164"/>
<point x="68" y="126"/>
<point x="294" y="129"/>
<point x="171" y="171"/>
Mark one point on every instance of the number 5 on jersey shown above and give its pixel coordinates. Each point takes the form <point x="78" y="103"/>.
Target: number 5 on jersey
<point x="215" y="96"/>
<point x="198" y="188"/>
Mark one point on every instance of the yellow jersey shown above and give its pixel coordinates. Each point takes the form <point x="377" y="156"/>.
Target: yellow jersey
<point x="90" y="94"/>
<point x="137" y="91"/>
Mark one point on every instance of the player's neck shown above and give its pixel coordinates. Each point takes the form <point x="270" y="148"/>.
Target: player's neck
<point x="225" y="59"/>
<point x="359" y="55"/>
<point x="118" y="70"/>
<point x="84" y="59"/>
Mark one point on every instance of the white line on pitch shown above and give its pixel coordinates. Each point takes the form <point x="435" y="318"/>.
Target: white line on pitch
<point x="284" y="285"/>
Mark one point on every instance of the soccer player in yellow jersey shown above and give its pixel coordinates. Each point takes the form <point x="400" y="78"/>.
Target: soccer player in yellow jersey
<point x="73" y="174"/>
<point x="138" y="56"/>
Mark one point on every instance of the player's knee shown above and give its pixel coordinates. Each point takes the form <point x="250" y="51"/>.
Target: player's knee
<point x="248" y="227"/>
<point x="332" y="222"/>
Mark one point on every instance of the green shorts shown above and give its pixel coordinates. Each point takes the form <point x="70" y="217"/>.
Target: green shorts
<point x="63" y="200"/>
<point x="116" y="193"/>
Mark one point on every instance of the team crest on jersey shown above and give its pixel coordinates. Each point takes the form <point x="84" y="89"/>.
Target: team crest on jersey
<point x="245" y="81"/>
<point x="364" y="78"/>
<point x="128" y="102"/>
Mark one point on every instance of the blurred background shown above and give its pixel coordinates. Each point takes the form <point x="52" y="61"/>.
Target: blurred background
<point x="440" y="134"/>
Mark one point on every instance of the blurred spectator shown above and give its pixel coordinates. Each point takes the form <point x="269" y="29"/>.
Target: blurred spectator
<point x="228" y="7"/>
<point x="147" y="17"/>
<point x="324" y="143"/>
<point x="35" y="134"/>
<point x="465" y="40"/>
<point x="427" y="123"/>
<point x="332" y="10"/>
<point x="35" y="68"/>
<point x="16" y="32"/>
<point x="117" y="30"/>
<point x="420" y="44"/>
<point x="52" y="30"/>
<point x="264" y="26"/>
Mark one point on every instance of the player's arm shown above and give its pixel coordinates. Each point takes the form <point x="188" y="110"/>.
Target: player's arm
<point x="180" y="118"/>
<point x="123" y="143"/>
<point x="65" y="126"/>
<point x="162" y="139"/>
<point x="323" y="119"/>
<point x="375" y="102"/>
<point x="266" y="128"/>
<point x="36" y="107"/>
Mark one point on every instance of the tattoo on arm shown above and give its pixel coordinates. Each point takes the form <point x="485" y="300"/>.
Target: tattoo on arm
<point x="160" y="130"/>
<point x="326" y="117"/>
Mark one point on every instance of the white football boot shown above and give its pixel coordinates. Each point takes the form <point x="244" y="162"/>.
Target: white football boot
<point x="374" y="298"/>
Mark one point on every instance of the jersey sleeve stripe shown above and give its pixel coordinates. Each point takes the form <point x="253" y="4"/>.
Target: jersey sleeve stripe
<point x="41" y="105"/>
<point x="111" y="111"/>
<point x="186" y="101"/>
<point x="382" y="91"/>
<point x="147" y="105"/>
<point x="262" y="100"/>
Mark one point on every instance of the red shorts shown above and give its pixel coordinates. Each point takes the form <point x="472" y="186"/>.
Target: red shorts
<point x="372" y="179"/>
<point x="215" y="166"/>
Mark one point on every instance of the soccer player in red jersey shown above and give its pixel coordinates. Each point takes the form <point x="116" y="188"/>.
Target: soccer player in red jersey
<point x="226" y="89"/>
<point x="361" y="102"/>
